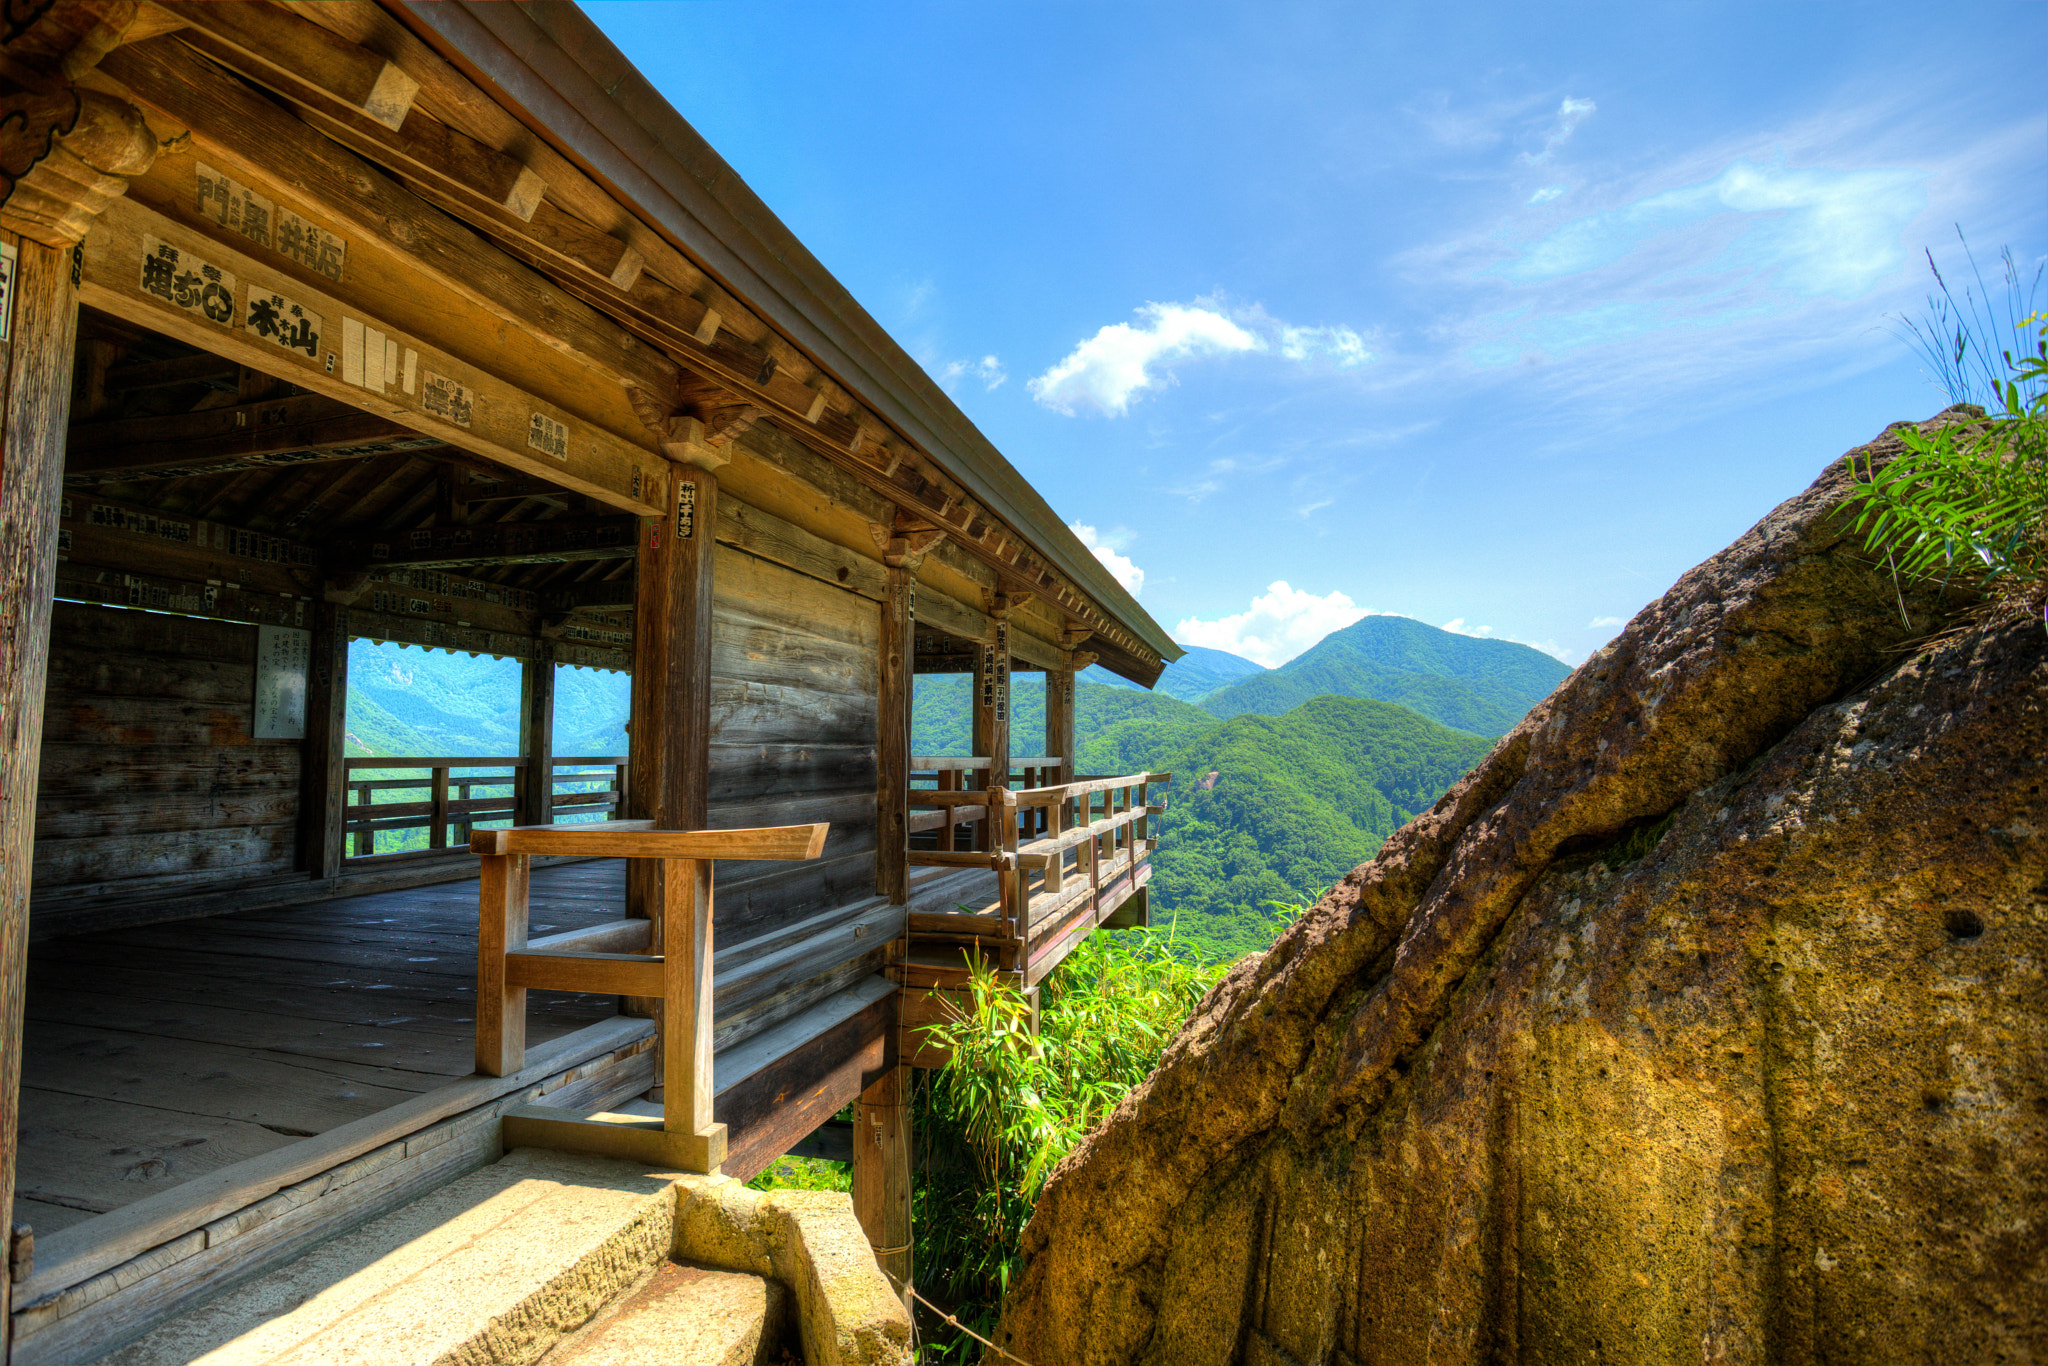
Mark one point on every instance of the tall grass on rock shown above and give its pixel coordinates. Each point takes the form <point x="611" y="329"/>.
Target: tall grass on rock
<point x="993" y="1123"/>
<point x="1968" y="500"/>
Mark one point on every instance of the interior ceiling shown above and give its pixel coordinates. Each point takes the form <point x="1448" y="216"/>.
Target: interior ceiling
<point x="125" y="372"/>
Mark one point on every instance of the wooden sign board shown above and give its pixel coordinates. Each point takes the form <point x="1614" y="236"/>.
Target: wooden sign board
<point x="282" y="657"/>
<point x="149" y="270"/>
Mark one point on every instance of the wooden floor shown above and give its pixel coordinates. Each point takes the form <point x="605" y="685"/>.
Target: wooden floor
<point x="156" y="1054"/>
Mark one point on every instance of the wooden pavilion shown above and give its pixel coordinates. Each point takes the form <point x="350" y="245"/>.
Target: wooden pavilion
<point x="435" y="323"/>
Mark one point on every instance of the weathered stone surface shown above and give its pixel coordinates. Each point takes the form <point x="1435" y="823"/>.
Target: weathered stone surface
<point x="811" y="1241"/>
<point x="684" y="1314"/>
<point x="1704" y="1021"/>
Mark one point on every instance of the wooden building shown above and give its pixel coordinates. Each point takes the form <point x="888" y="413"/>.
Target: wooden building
<point x="434" y="323"/>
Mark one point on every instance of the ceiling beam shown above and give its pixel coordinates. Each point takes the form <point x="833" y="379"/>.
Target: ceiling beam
<point x="302" y="429"/>
<point x="558" y="541"/>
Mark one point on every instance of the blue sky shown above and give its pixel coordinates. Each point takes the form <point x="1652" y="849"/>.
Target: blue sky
<point x="1497" y="316"/>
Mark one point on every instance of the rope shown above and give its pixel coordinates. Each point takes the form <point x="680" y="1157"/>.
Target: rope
<point x="911" y="1291"/>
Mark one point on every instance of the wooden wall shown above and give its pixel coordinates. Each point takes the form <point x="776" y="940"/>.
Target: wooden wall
<point x="150" y="781"/>
<point x="793" y="712"/>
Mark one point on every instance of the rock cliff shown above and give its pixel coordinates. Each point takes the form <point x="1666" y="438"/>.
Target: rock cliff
<point x="1703" y="1021"/>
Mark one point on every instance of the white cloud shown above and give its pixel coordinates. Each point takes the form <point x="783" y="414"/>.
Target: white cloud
<point x="1570" y="115"/>
<point x="1280" y="623"/>
<point x="988" y="370"/>
<point x="1546" y="194"/>
<point x="1601" y="623"/>
<point x="1106" y="370"/>
<point x="1120" y="567"/>
<point x="1564" y="654"/>
<point x="1123" y="360"/>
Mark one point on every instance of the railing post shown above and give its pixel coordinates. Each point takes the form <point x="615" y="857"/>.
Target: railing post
<point x="437" y="837"/>
<point x="501" y="927"/>
<point x="949" y="781"/>
<point x="686" y="1025"/>
<point x="533" y="784"/>
<point x="1056" y="825"/>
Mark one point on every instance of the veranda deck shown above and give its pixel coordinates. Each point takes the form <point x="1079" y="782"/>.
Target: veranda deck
<point x="157" y="1054"/>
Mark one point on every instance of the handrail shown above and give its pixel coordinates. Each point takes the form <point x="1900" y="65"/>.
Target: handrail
<point x="677" y="969"/>
<point x="458" y="793"/>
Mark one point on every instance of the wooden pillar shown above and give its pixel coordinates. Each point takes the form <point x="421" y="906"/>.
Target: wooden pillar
<point x="536" y="786"/>
<point x="992" y="721"/>
<point x="36" y="363"/>
<point x="1059" y="720"/>
<point x="671" y="741"/>
<point x="892" y="739"/>
<point x="881" y="1173"/>
<point x="323" y="773"/>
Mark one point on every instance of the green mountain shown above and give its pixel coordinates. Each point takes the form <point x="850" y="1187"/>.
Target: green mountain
<point x="1482" y="686"/>
<point x="1191" y="678"/>
<point x="1296" y="802"/>
<point x="412" y="702"/>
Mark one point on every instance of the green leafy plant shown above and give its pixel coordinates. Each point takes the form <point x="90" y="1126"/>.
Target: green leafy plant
<point x="1966" y="501"/>
<point x="993" y="1123"/>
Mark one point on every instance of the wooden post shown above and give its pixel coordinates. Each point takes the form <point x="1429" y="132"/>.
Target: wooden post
<point x="36" y="365"/>
<point x="536" y="787"/>
<point x="501" y="926"/>
<point x="992" y="723"/>
<point x="323" y="785"/>
<point x="881" y="1173"/>
<point x="671" y="742"/>
<point x="686" y="1011"/>
<point x="892" y="741"/>
<point x="1059" y="722"/>
<point x="437" y="836"/>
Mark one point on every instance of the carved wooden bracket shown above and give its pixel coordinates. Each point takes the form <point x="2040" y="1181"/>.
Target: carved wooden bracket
<point x="1078" y="660"/>
<point x="1004" y="602"/>
<point x="905" y="541"/>
<point x="679" y="435"/>
<point x="64" y="156"/>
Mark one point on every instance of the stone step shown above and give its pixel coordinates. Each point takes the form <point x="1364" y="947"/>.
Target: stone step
<point x="685" y="1313"/>
<point x="590" y="1259"/>
<point x="496" y="1266"/>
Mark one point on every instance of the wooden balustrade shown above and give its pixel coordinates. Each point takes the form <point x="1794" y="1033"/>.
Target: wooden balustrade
<point x="1068" y="857"/>
<point x="670" y="962"/>
<point x="457" y="795"/>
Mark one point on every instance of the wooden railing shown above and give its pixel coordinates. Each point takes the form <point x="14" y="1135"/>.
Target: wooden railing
<point x="951" y="774"/>
<point x="1067" y="858"/>
<point x="673" y="965"/>
<point x="454" y="796"/>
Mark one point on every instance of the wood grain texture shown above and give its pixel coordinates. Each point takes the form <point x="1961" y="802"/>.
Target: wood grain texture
<point x="324" y="767"/>
<point x="882" y="1173"/>
<point x="37" y="367"/>
<point x="892" y="739"/>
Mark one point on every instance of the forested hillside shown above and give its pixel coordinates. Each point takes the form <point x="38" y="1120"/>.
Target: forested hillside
<point x="1483" y="686"/>
<point x="407" y="701"/>
<point x="1299" y="800"/>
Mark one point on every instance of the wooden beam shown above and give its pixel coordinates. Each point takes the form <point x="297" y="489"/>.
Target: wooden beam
<point x="323" y="769"/>
<point x="633" y="840"/>
<point x="599" y="593"/>
<point x="556" y="541"/>
<point x="537" y="739"/>
<point x="300" y="430"/>
<point x="686" y="1001"/>
<point x="241" y="135"/>
<point x="892" y="739"/>
<point x="149" y="270"/>
<point x="36" y="364"/>
<point x="882" y="1174"/>
<point x="272" y="45"/>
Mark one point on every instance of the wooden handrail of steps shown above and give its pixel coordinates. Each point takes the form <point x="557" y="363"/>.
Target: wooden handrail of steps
<point x="507" y="966"/>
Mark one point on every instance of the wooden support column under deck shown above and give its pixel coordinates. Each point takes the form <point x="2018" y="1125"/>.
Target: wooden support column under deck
<point x="537" y="739"/>
<point x="322" y="791"/>
<point x="992" y="720"/>
<point x="37" y="368"/>
<point x="892" y="739"/>
<point x="881" y="1173"/>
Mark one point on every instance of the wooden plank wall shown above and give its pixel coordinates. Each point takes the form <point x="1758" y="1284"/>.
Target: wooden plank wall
<point x="150" y="779"/>
<point x="794" y="678"/>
